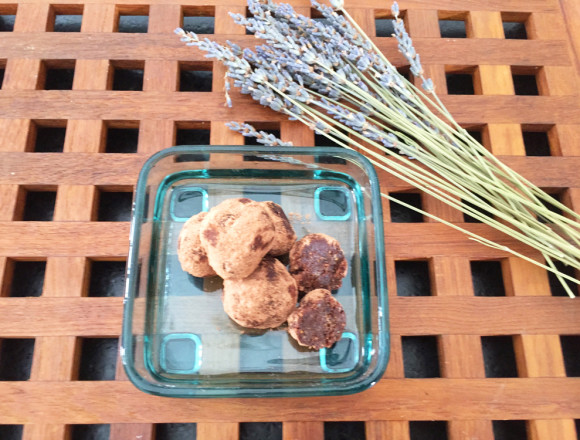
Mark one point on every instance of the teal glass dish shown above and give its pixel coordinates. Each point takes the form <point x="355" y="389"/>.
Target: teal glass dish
<point x="177" y="340"/>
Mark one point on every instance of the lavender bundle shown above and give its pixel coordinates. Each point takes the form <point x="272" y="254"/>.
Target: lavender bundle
<point x="330" y="76"/>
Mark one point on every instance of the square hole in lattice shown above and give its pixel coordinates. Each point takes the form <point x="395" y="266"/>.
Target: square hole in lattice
<point x="420" y="356"/>
<point x="525" y="84"/>
<point x="48" y="136"/>
<point x="198" y="19"/>
<point x="122" y="137"/>
<point x="571" y="353"/>
<point x="7" y="18"/>
<point x="536" y="143"/>
<point x="344" y="431"/>
<point x="67" y="18"/>
<point x="39" y="205"/>
<point x="90" y="432"/>
<point x="98" y="358"/>
<point x="428" y="430"/>
<point x="403" y="214"/>
<point x="322" y="141"/>
<point x="16" y="359"/>
<point x="26" y="278"/>
<point x="452" y="24"/>
<point x="498" y="356"/>
<point x="487" y="277"/>
<point x="514" y="25"/>
<point x="11" y="432"/>
<point x="2" y="71"/>
<point x="509" y="430"/>
<point x="133" y="20"/>
<point x="175" y="431"/>
<point x="556" y="288"/>
<point x="58" y="74"/>
<point x="107" y="278"/>
<point x="114" y="205"/>
<point x="470" y="217"/>
<point x="192" y="133"/>
<point x="272" y="128"/>
<point x="384" y="26"/>
<point x="263" y="431"/>
<point x="195" y="77"/>
<point x="460" y="81"/>
<point x="127" y="75"/>
<point x="405" y="71"/>
<point x="413" y="278"/>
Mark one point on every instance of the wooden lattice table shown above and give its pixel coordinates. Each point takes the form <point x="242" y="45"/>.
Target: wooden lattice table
<point x="481" y="342"/>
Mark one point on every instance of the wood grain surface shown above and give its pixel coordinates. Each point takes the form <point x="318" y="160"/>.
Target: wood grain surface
<point x="53" y="402"/>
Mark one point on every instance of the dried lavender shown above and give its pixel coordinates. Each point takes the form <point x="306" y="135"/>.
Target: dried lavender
<point x="330" y="76"/>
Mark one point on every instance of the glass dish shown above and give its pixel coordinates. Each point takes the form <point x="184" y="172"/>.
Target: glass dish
<point x="177" y="340"/>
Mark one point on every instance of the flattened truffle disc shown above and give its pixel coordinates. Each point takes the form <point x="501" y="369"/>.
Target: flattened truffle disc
<point x="262" y="300"/>
<point x="190" y="251"/>
<point x="319" y="320"/>
<point x="317" y="262"/>
<point x="236" y="234"/>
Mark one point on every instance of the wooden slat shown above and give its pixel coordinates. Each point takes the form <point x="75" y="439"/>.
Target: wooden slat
<point x="303" y="430"/>
<point x="223" y="430"/>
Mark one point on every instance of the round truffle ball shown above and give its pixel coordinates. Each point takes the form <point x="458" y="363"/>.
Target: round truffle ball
<point x="319" y="320"/>
<point x="262" y="300"/>
<point x="236" y="235"/>
<point x="284" y="235"/>
<point x="317" y="262"/>
<point x="190" y="251"/>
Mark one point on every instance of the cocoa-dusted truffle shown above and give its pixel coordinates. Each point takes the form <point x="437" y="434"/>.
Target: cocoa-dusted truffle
<point x="317" y="262"/>
<point x="284" y="235"/>
<point x="190" y="251"/>
<point x="319" y="320"/>
<point x="262" y="300"/>
<point x="236" y="234"/>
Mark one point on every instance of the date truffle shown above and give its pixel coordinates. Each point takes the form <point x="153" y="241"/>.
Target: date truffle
<point x="262" y="300"/>
<point x="317" y="262"/>
<point x="319" y="320"/>
<point x="236" y="234"/>
<point x="190" y="251"/>
<point x="284" y="235"/>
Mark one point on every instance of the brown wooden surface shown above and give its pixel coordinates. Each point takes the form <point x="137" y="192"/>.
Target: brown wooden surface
<point x="52" y="399"/>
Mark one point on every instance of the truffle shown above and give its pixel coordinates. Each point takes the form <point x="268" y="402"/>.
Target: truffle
<point x="190" y="251"/>
<point x="284" y="235"/>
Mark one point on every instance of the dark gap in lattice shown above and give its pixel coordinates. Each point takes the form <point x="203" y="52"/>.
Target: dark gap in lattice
<point x="322" y="141"/>
<point x="428" y="430"/>
<point x="268" y="127"/>
<point x="499" y="356"/>
<point x="175" y="431"/>
<point x="39" y="206"/>
<point x="90" y="432"/>
<point x="49" y="138"/>
<point x="197" y="133"/>
<point x="107" y="278"/>
<point x="536" y="143"/>
<point x="16" y="359"/>
<point x="98" y="359"/>
<point x="344" y="431"/>
<point x="477" y="135"/>
<point x="7" y="22"/>
<point x="405" y="71"/>
<point x="550" y="206"/>
<point x="199" y="19"/>
<point x="420" y="356"/>
<point x="114" y="206"/>
<point x="487" y="277"/>
<point x="525" y="85"/>
<point x="122" y="137"/>
<point x="571" y="353"/>
<point x="2" y="72"/>
<point x="412" y="278"/>
<point x="196" y="77"/>
<point x="384" y="23"/>
<point x="402" y="214"/>
<point x="59" y="74"/>
<point x="514" y="30"/>
<point x="460" y="83"/>
<point x="509" y="430"/>
<point x="262" y="431"/>
<point x="556" y="287"/>
<point x="67" y="18"/>
<point x="468" y="218"/>
<point x="11" y="432"/>
<point x="128" y="76"/>
<point x="27" y="278"/>
<point x="452" y="29"/>
<point x="134" y="21"/>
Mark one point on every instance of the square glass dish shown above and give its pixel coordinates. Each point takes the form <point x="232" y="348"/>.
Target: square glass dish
<point x="178" y="341"/>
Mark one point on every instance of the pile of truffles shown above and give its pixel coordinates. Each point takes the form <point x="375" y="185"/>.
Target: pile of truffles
<point x="239" y="240"/>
